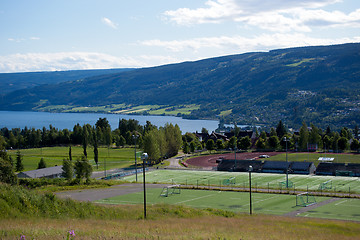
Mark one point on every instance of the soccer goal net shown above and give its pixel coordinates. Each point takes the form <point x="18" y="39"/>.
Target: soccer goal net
<point x="169" y="190"/>
<point x="229" y="181"/>
<point x="305" y="199"/>
<point x="284" y="184"/>
<point x="325" y="185"/>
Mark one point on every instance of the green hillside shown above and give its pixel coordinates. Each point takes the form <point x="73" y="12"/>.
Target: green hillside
<point x="10" y="82"/>
<point x="316" y="84"/>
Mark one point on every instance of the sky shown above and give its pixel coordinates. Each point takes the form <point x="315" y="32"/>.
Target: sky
<point x="52" y="35"/>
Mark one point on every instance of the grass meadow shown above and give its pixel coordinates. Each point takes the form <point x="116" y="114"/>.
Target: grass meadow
<point x="112" y="157"/>
<point x="313" y="157"/>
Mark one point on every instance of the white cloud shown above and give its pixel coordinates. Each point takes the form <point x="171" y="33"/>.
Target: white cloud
<point x="19" y="40"/>
<point x="109" y="23"/>
<point x="330" y="19"/>
<point x="75" y="61"/>
<point x="239" y="44"/>
<point x="275" y="15"/>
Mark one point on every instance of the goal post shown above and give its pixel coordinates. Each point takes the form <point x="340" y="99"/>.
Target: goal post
<point x="170" y="190"/>
<point x="229" y="181"/>
<point x="305" y="199"/>
<point x="282" y="185"/>
<point x="325" y="185"/>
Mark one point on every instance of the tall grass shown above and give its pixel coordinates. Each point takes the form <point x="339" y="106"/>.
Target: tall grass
<point x="19" y="202"/>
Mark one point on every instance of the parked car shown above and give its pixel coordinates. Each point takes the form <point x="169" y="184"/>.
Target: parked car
<point x="264" y="156"/>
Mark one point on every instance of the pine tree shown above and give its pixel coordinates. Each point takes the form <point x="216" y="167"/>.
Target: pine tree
<point x="70" y="154"/>
<point x="19" y="166"/>
<point x="85" y="140"/>
<point x="96" y="155"/>
<point x="41" y="164"/>
<point x="280" y="130"/>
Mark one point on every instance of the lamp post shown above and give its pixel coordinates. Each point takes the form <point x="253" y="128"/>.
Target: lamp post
<point x="134" y="136"/>
<point x="250" y="170"/>
<point x="144" y="157"/>
<point x="287" y="167"/>
<point x="235" y="156"/>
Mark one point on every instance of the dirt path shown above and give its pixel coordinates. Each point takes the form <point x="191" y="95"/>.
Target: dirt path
<point x="311" y="207"/>
<point x="174" y="162"/>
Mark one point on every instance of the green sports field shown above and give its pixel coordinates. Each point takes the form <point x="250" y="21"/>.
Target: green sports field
<point x="259" y="180"/>
<point x="263" y="203"/>
<point x="109" y="158"/>
<point x="343" y="209"/>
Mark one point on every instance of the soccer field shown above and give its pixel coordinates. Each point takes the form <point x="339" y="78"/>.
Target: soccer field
<point x="259" y="180"/>
<point x="262" y="203"/>
<point x="344" y="209"/>
<point x="277" y="204"/>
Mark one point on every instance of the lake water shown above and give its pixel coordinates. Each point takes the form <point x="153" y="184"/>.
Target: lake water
<point x="38" y="120"/>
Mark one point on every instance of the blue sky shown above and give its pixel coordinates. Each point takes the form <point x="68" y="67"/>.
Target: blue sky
<point x="47" y="35"/>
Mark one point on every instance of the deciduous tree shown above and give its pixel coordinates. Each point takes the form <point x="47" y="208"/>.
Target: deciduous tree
<point x="67" y="169"/>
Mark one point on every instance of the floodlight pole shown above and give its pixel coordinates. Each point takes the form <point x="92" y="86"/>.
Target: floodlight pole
<point x="144" y="158"/>
<point x="287" y="167"/>
<point x="134" y="136"/>
<point x="235" y="157"/>
<point x="250" y="169"/>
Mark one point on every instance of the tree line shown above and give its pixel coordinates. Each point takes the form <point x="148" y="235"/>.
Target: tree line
<point x="309" y="138"/>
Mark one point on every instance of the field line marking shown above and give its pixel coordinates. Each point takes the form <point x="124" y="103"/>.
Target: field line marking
<point x="258" y="201"/>
<point x="340" y="202"/>
<point x="189" y="200"/>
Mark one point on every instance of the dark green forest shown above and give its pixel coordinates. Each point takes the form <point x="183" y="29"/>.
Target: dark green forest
<point x="318" y="85"/>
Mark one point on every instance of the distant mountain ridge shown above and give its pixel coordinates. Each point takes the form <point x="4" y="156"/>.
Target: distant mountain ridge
<point x="313" y="84"/>
<point x="15" y="81"/>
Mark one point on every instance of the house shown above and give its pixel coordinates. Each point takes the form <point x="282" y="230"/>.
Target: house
<point x="50" y="172"/>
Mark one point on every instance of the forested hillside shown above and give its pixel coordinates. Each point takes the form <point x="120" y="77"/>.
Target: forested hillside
<point x="14" y="81"/>
<point x="313" y="84"/>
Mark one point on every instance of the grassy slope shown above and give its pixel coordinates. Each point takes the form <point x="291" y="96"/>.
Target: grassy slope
<point x="46" y="217"/>
<point x="172" y="110"/>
